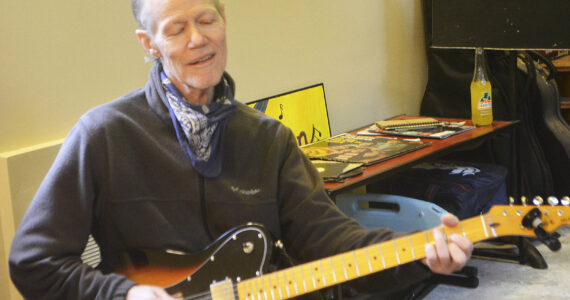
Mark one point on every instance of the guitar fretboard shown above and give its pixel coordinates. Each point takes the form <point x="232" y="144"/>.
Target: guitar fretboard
<point x="309" y="277"/>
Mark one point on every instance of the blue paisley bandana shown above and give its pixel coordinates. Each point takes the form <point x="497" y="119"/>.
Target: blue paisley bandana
<point x="200" y="128"/>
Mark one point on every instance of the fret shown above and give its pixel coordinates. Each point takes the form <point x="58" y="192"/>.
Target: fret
<point x="389" y="254"/>
<point x="265" y="285"/>
<point x="363" y="261"/>
<point x="368" y="260"/>
<point x="286" y="282"/>
<point x="396" y="251"/>
<point x="262" y="288"/>
<point x="429" y="236"/>
<point x="255" y="289"/>
<point x="375" y="258"/>
<point x="403" y="251"/>
<point x="333" y="271"/>
<point x="272" y="288"/>
<point x="412" y="248"/>
<point x="348" y="266"/>
<point x="418" y="241"/>
<point x="474" y="231"/>
<point x="462" y="229"/>
<point x="493" y="231"/>
<point x="492" y="227"/>
<point x="382" y="256"/>
<point x="355" y="264"/>
<point x="484" y="226"/>
<point x="279" y="284"/>
<point x="313" y="271"/>
<point x="323" y="273"/>
<point x="303" y="278"/>
<point x="339" y="268"/>
<point x="292" y="282"/>
<point x="249" y="289"/>
<point x="274" y="282"/>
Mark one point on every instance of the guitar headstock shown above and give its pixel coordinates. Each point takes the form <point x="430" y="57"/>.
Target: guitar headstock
<point x="534" y="218"/>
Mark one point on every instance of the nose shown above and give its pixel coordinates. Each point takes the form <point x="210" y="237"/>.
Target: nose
<point x="197" y="38"/>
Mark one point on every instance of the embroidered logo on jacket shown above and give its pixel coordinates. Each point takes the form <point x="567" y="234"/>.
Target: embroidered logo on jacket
<point x="249" y="192"/>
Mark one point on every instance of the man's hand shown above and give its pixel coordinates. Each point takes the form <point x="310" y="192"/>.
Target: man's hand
<point x="147" y="292"/>
<point x="448" y="256"/>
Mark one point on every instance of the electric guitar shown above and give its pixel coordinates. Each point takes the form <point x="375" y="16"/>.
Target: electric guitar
<point x="238" y="264"/>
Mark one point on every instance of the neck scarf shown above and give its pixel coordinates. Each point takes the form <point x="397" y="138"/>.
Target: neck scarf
<point x="199" y="128"/>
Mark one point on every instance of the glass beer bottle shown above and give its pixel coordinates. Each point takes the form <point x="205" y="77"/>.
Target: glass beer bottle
<point x="481" y="95"/>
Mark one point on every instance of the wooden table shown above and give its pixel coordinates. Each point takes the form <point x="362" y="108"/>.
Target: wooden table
<point x="384" y="169"/>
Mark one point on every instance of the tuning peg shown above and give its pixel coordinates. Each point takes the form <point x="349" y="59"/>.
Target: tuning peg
<point x="537" y="200"/>
<point x="511" y="200"/>
<point x="523" y="200"/>
<point x="565" y="200"/>
<point x="532" y="220"/>
<point x="552" y="200"/>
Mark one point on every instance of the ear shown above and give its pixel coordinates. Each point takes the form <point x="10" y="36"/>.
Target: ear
<point x="146" y="42"/>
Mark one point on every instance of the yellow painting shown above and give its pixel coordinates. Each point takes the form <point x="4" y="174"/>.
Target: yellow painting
<point x="303" y="110"/>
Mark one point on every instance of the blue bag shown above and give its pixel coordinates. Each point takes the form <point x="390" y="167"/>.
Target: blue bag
<point x="465" y="189"/>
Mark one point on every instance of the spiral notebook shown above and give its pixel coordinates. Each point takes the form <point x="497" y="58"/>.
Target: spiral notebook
<point x="407" y="123"/>
<point x="441" y="130"/>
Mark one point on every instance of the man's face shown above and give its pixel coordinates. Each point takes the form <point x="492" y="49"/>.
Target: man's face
<point x="189" y="36"/>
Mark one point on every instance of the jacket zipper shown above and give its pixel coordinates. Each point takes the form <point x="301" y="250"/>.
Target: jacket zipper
<point x="201" y="187"/>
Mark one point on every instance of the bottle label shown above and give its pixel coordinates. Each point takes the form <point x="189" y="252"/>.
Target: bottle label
<point x="485" y="101"/>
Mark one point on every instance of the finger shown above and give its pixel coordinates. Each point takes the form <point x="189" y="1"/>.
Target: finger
<point x="465" y="244"/>
<point x="431" y="258"/>
<point x="458" y="258"/>
<point x="441" y="247"/>
<point x="449" y="220"/>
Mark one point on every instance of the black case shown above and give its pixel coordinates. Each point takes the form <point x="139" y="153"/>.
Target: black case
<point x="524" y="89"/>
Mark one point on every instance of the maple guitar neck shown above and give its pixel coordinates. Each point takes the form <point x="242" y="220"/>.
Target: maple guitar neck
<point x="330" y="271"/>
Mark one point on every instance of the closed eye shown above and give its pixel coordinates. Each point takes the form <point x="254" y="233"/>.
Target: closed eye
<point x="174" y="29"/>
<point x="206" y="21"/>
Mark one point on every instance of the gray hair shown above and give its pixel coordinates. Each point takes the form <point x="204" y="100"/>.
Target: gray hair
<point x="137" y="6"/>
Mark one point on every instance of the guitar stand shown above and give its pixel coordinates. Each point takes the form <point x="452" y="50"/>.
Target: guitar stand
<point x="511" y="249"/>
<point x="466" y="277"/>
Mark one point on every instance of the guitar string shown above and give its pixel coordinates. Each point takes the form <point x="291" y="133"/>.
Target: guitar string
<point x="299" y="271"/>
<point x="264" y="287"/>
<point x="482" y="225"/>
<point x="479" y="231"/>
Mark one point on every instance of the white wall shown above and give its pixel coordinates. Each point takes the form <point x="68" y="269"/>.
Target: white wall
<point x="368" y="53"/>
<point x="60" y="58"/>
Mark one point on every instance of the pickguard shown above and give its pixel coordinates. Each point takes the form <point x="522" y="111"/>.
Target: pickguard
<point x="240" y="254"/>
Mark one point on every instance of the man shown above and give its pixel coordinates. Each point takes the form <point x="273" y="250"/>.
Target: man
<point x="178" y="163"/>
